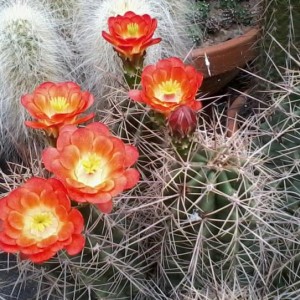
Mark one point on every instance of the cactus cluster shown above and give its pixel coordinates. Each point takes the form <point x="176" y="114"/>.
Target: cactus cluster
<point x="213" y="217"/>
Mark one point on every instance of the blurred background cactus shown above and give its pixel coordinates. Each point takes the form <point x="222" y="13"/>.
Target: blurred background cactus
<point x="278" y="123"/>
<point x="99" y="65"/>
<point x="31" y="52"/>
<point x="281" y="38"/>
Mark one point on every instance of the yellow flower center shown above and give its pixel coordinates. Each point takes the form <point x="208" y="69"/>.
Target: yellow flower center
<point x="91" y="163"/>
<point x="170" y="87"/>
<point x="59" y="104"/>
<point x="169" y="91"/>
<point x="133" y="30"/>
<point x="40" y="223"/>
<point x="91" y="170"/>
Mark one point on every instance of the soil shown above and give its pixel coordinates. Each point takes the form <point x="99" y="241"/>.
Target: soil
<point x="221" y="20"/>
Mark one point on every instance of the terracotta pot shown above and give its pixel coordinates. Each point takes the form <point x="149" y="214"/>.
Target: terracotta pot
<point x="224" y="60"/>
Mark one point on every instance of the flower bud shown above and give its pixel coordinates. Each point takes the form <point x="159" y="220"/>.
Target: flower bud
<point x="182" y="121"/>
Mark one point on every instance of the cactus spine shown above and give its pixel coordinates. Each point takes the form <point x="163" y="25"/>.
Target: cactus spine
<point x="279" y="132"/>
<point x="31" y="52"/>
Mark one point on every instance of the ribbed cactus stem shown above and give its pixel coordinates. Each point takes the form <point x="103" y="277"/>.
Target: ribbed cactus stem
<point x="281" y="41"/>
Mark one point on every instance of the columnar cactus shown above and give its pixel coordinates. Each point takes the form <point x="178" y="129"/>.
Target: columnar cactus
<point x="31" y="52"/>
<point x="278" y="126"/>
<point x="281" y="37"/>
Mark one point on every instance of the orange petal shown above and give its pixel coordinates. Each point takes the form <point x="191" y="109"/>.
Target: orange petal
<point x="61" y="213"/>
<point x="102" y="145"/>
<point x="77" y="219"/>
<point x="69" y="156"/>
<point x="60" y="172"/>
<point x="96" y="198"/>
<point x="64" y="138"/>
<point x="107" y="186"/>
<point x="30" y="200"/>
<point x="77" y="244"/>
<point x="63" y="199"/>
<point x="116" y="162"/>
<point x="83" y="138"/>
<point x="135" y="95"/>
<point x="37" y="185"/>
<point x="5" y="239"/>
<point x="25" y="241"/>
<point x="13" y="201"/>
<point x="131" y="155"/>
<point x="31" y="250"/>
<point x="74" y="184"/>
<point x="47" y="242"/>
<point x="9" y="248"/>
<point x="99" y="128"/>
<point x="106" y="207"/>
<point x="132" y="176"/>
<point x="42" y="256"/>
<point x="56" y="185"/>
<point x="48" y="156"/>
<point x="66" y="231"/>
<point x="49" y="199"/>
<point x="10" y="231"/>
<point x="4" y="209"/>
<point x="16" y="220"/>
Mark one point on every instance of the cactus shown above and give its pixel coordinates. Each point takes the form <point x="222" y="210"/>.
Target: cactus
<point x="281" y="37"/>
<point x="278" y="133"/>
<point x="97" y="60"/>
<point x="111" y="266"/>
<point x="31" y="52"/>
<point x="212" y="227"/>
<point x="212" y="217"/>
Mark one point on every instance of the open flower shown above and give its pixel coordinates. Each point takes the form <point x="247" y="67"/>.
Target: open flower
<point x="37" y="221"/>
<point x="54" y="105"/>
<point x="92" y="164"/>
<point x="167" y="85"/>
<point x="131" y="34"/>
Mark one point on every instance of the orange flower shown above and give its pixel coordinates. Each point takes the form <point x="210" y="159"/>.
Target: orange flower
<point x="167" y="85"/>
<point x="37" y="221"/>
<point x="54" y="105"/>
<point x="92" y="164"/>
<point x="131" y="34"/>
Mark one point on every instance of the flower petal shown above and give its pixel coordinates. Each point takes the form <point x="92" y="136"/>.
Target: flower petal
<point x="105" y="207"/>
<point x="132" y="176"/>
<point x="76" y="245"/>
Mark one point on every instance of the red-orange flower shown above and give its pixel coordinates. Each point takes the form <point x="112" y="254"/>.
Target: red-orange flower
<point x="37" y="220"/>
<point x="131" y="34"/>
<point x="54" y="105"/>
<point x="92" y="164"/>
<point x="169" y="84"/>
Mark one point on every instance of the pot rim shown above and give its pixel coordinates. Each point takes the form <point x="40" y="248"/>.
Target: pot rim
<point x="228" y="55"/>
